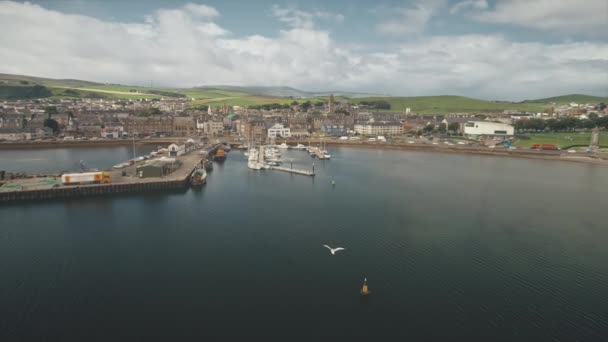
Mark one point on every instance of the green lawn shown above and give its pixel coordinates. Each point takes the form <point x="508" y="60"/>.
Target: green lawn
<point x="450" y="104"/>
<point x="561" y="139"/>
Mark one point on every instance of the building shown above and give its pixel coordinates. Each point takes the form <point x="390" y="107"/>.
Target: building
<point x="213" y="127"/>
<point x="279" y="131"/>
<point x="183" y="126"/>
<point x="176" y="150"/>
<point x="148" y="125"/>
<point x="157" y="168"/>
<point x="332" y="105"/>
<point x="255" y="131"/>
<point x="379" y="128"/>
<point x="111" y="132"/>
<point x="476" y="129"/>
<point x="334" y="130"/>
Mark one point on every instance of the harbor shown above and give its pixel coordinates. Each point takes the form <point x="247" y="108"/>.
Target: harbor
<point x="165" y="170"/>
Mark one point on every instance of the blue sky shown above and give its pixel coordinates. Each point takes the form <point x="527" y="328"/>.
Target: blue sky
<point x="507" y="49"/>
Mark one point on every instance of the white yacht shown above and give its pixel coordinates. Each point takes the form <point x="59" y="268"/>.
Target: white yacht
<point x="283" y="146"/>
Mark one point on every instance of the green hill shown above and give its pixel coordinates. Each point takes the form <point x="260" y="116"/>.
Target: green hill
<point x="578" y="98"/>
<point x="20" y="86"/>
<point x="450" y="104"/>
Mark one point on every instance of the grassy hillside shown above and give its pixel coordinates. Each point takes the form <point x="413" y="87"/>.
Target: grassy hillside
<point x="450" y="104"/>
<point x="19" y="86"/>
<point x="578" y="98"/>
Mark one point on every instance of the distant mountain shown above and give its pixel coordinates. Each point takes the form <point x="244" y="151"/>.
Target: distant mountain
<point x="286" y="91"/>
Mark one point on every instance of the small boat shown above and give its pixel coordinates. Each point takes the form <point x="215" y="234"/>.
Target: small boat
<point x="198" y="177"/>
<point x="299" y="147"/>
<point x="208" y="165"/>
<point x="220" y="155"/>
<point x="364" y="289"/>
<point x="283" y="146"/>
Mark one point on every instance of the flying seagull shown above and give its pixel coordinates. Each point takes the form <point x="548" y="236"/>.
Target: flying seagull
<point x="333" y="250"/>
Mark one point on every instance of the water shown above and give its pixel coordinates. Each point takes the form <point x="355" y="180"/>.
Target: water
<point x="455" y="247"/>
<point x="67" y="159"/>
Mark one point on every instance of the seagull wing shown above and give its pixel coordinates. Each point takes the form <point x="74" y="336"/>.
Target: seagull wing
<point x="326" y="246"/>
<point x="338" y="249"/>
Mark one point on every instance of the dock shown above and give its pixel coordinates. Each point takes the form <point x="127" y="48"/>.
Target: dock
<point x="296" y="171"/>
<point x="123" y="181"/>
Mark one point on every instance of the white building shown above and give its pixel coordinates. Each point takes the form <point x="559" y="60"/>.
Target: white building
<point x="279" y="131"/>
<point x="176" y="150"/>
<point x="213" y="127"/>
<point x="379" y="128"/>
<point x="474" y="129"/>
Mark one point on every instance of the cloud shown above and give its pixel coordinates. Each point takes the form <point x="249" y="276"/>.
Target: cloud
<point x="469" y="4"/>
<point x="201" y="10"/>
<point x="564" y="16"/>
<point x="302" y="19"/>
<point x="175" y="47"/>
<point x="413" y="19"/>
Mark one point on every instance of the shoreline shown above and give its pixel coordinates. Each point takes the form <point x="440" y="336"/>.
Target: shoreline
<point x="84" y="143"/>
<point x="497" y="152"/>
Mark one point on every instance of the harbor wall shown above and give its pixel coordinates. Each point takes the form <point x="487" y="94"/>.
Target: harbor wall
<point x="92" y="190"/>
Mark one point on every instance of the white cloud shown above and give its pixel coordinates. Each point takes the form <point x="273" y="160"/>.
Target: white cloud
<point x="469" y="4"/>
<point x="173" y="47"/>
<point x="302" y="19"/>
<point x="201" y="10"/>
<point x="412" y="19"/>
<point x="564" y="16"/>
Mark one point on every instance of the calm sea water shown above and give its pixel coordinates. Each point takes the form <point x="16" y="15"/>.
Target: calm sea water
<point x="455" y="247"/>
<point x="67" y="159"/>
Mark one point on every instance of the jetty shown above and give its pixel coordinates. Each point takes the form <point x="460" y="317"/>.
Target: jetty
<point x="290" y="170"/>
<point x="124" y="180"/>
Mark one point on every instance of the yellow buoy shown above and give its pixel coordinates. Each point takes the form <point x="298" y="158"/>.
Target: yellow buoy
<point x="365" y="290"/>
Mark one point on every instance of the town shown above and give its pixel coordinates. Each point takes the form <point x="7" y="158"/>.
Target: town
<point x="55" y="120"/>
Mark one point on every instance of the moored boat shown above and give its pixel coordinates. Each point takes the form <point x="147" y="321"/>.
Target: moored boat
<point x="198" y="177"/>
<point x="220" y="155"/>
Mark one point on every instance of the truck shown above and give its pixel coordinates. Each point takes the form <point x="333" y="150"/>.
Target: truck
<point x="85" y="178"/>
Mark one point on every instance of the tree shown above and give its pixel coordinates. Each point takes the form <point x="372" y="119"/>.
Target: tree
<point x="342" y="111"/>
<point x="294" y="103"/>
<point x="428" y="128"/>
<point x="50" y="110"/>
<point x="593" y="116"/>
<point x="454" y="126"/>
<point x="306" y="105"/>
<point x="602" y="106"/>
<point x="442" y="128"/>
<point x="52" y="124"/>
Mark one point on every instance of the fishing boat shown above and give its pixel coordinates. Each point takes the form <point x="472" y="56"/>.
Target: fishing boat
<point x="364" y="289"/>
<point x="198" y="177"/>
<point x="220" y="155"/>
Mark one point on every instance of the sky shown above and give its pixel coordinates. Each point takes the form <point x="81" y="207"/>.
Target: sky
<point x="488" y="49"/>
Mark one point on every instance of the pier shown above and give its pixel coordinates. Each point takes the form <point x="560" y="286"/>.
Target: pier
<point x="122" y="181"/>
<point x="296" y="171"/>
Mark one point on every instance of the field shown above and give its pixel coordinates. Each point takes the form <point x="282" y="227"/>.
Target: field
<point x="451" y="104"/>
<point x="577" y="98"/>
<point x="561" y="139"/>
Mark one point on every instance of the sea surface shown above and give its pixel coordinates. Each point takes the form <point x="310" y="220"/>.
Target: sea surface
<point x="454" y="247"/>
